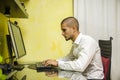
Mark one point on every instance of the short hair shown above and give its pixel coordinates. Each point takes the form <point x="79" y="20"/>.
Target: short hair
<point x="72" y="20"/>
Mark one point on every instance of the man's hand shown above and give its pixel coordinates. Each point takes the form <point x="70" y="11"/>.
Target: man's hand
<point x="50" y="62"/>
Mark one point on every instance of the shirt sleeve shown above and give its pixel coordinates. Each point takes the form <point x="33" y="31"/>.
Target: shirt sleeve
<point x="85" y="55"/>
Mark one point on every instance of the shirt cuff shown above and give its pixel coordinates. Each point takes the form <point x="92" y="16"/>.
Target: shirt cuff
<point x="60" y="63"/>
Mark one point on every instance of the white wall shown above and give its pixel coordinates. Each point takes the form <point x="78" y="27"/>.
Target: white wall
<point x="101" y="19"/>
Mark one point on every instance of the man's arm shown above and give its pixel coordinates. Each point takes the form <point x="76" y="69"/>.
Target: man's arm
<point x="68" y="57"/>
<point x="85" y="56"/>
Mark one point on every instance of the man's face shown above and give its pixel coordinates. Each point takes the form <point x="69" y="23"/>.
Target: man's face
<point x="67" y="31"/>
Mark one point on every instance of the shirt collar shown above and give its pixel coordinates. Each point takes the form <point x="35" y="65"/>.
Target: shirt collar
<point x="77" y="40"/>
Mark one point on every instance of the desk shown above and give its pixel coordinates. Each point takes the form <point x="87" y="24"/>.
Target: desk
<point x="30" y="74"/>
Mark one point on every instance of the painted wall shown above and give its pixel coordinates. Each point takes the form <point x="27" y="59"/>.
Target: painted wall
<point x="41" y="31"/>
<point x="3" y="46"/>
<point x="3" y="32"/>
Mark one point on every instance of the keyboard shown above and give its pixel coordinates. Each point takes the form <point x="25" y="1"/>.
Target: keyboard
<point x="32" y="66"/>
<point x="18" y="67"/>
<point x="41" y="68"/>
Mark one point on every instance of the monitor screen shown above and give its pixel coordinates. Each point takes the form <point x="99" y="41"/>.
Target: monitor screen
<point x="17" y="40"/>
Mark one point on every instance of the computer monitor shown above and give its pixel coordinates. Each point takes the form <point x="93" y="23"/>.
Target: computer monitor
<point x="16" y="40"/>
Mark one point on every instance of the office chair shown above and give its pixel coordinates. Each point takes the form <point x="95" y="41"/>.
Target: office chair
<point x="106" y="52"/>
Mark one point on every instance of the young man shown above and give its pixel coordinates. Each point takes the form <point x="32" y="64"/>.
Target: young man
<point x="84" y="55"/>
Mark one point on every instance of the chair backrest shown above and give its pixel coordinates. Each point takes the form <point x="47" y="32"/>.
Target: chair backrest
<point x="106" y="53"/>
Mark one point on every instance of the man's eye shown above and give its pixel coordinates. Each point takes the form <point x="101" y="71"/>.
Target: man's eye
<point x="64" y="30"/>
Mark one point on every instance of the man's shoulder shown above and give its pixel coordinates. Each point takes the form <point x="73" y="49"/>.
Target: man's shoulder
<point x="87" y="37"/>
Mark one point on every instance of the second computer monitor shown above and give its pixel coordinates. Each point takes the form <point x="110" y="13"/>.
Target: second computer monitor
<point x="16" y="40"/>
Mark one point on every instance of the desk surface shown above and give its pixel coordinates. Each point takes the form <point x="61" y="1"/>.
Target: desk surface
<point x="31" y="74"/>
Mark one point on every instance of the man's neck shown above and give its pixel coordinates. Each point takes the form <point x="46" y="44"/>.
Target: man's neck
<point x="75" y="36"/>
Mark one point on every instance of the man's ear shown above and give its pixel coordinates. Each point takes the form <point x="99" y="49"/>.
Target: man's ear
<point x="74" y="28"/>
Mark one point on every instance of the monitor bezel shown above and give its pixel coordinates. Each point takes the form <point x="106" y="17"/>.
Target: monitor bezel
<point x="15" y="49"/>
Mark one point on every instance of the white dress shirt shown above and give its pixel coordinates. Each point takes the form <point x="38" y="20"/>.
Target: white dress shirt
<point x="84" y="57"/>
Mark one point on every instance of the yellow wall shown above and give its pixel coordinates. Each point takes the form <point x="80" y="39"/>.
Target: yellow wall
<point x="3" y="33"/>
<point x="42" y="34"/>
<point x="3" y="47"/>
<point x="41" y="31"/>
